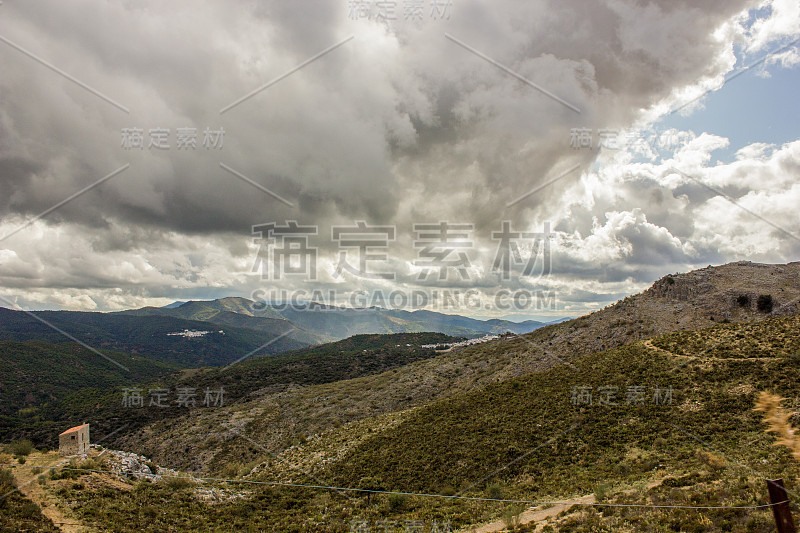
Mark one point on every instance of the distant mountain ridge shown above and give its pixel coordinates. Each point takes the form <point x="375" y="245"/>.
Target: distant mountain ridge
<point x="318" y="323"/>
<point x="231" y="312"/>
<point x="236" y="328"/>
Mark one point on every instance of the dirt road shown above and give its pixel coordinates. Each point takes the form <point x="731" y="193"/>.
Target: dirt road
<point x="27" y="484"/>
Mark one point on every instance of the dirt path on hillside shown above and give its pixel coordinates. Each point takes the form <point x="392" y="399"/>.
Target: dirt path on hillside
<point x="650" y="346"/>
<point x="28" y="486"/>
<point x="540" y="515"/>
<point x="533" y="514"/>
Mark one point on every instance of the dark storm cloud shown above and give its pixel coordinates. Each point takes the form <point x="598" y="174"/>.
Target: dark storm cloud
<point x="326" y="133"/>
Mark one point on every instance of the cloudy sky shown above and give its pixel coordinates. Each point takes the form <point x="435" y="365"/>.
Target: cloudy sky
<point x="650" y="137"/>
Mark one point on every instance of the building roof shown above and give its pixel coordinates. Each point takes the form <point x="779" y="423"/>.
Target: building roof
<point x="70" y="430"/>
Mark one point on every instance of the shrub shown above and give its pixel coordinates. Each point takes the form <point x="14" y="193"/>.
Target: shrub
<point x="229" y="470"/>
<point x="22" y="447"/>
<point x="369" y="483"/>
<point x="743" y="300"/>
<point x="7" y="478"/>
<point x="152" y="466"/>
<point x="88" y="464"/>
<point x="511" y="515"/>
<point x="712" y="460"/>
<point x="397" y="502"/>
<point x="601" y="492"/>
<point x="764" y="303"/>
<point x="27" y="411"/>
<point x="494" y="491"/>
<point x="7" y="484"/>
<point x="67" y="472"/>
<point x="176" y="483"/>
<point x="683" y="481"/>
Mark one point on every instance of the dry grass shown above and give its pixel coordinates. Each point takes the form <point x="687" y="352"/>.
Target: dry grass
<point x="777" y="420"/>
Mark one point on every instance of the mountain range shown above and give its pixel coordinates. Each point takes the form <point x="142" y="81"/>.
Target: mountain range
<point x="316" y="323"/>
<point x="234" y="329"/>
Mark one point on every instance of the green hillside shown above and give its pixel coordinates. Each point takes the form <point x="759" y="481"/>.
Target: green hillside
<point x="541" y="444"/>
<point x="198" y="311"/>
<point x="359" y="355"/>
<point x="48" y="385"/>
<point x="527" y="439"/>
<point x="39" y="376"/>
<point x="281" y="416"/>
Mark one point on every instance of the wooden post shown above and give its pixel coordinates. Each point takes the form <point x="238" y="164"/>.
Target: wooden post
<point x="780" y="506"/>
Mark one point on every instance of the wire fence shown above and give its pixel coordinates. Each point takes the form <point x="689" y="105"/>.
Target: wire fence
<point x="414" y="494"/>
